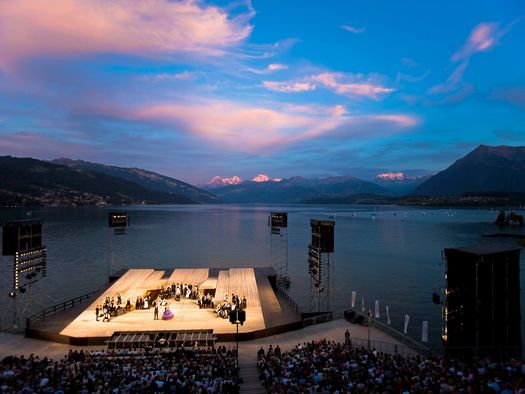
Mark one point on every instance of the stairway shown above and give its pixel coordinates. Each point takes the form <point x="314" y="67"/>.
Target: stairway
<point x="249" y="376"/>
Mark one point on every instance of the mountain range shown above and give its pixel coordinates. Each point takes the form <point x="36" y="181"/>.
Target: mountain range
<point x="235" y="180"/>
<point x="486" y="171"/>
<point x="26" y="181"/>
<point x="147" y="179"/>
<point x="295" y="189"/>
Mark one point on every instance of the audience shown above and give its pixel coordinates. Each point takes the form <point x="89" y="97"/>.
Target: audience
<point x="330" y="367"/>
<point x="180" y="370"/>
<point x="313" y="367"/>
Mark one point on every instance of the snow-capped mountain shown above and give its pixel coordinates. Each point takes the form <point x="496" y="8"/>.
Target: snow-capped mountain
<point x="395" y="176"/>
<point x="265" y="178"/>
<point x="398" y="183"/>
<point x="219" y="181"/>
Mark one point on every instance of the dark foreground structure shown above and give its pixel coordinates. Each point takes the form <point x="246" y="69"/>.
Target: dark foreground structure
<point x="482" y="302"/>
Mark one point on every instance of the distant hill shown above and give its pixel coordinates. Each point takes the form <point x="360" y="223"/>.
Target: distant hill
<point x="295" y="189"/>
<point x="486" y="169"/>
<point x="367" y="199"/>
<point x="148" y="179"/>
<point x="26" y="181"/>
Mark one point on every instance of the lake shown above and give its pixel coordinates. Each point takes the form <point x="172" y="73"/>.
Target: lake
<point x="386" y="253"/>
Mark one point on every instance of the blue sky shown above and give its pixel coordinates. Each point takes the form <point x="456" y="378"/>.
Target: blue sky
<point x="194" y="89"/>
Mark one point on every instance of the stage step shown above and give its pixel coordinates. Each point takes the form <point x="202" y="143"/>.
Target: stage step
<point x="249" y="376"/>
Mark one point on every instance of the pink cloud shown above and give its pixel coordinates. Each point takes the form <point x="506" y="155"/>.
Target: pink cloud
<point x="352" y="29"/>
<point x="289" y="87"/>
<point x="277" y="66"/>
<point x="182" y="76"/>
<point x="270" y="68"/>
<point x="352" y="84"/>
<point x="30" y="28"/>
<point x="237" y="126"/>
<point x="399" y="119"/>
<point x="483" y="37"/>
<point x="241" y="127"/>
<point x="338" y="110"/>
<point x="453" y="82"/>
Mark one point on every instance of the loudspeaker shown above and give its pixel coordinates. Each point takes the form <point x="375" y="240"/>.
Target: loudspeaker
<point x="279" y="219"/>
<point x="323" y="235"/>
<point x="118" y="219"/>
<point x="241" y="316"/>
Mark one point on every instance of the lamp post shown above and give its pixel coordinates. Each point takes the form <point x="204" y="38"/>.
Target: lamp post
<point x="369" y="320"/>
<point x="237" y="316"/>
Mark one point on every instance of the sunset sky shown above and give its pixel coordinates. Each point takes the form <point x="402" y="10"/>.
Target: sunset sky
<point x="194" y="89"/>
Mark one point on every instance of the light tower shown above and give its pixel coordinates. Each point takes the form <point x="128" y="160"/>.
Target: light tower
<point x="278" y="223"/>
<point x="319" y="251"/>
<point x="118" y="222"/>
<point x="23" y="240"/>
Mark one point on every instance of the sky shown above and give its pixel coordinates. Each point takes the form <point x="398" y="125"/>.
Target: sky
<point x="194" y="89"/>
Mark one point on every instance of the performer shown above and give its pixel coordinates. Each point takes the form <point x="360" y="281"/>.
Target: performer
<point x="167" y="315"/>
<point x="156" y="312"/>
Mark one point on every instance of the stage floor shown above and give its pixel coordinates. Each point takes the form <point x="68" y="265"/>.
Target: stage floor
<point x="265" y="313"/>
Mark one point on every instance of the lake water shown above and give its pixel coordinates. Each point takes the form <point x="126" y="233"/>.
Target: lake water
<point x="386" y="253"/>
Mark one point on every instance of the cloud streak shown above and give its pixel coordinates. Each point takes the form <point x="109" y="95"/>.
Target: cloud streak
<point x="352" y="29"/>
<point x="256" y="129"/>
<point x="289" y="87"/>
<point x="273" y="67"/>
<point x="33" y="28"/>
<point x="353" y="85"/>
<point x="345" y="84"/>
<point x="182" y="76"/>
<point x="482" y="38"/>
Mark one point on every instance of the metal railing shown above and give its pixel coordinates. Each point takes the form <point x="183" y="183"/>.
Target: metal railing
<point x="52" y="310"/>
<point x="288" y="299"/>
<point x="385" y="347"/>
<point x="404" y="339"/>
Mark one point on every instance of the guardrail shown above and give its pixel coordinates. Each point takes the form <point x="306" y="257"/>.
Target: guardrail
<point x="52" y="310"/>
<point x="385" y="347"/>
<point x="288" y="299"/>
<point x="398" y="335"/>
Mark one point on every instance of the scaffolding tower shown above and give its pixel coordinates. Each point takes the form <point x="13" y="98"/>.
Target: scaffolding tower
<point x="23" y="241"/>
<point x="278" y="223"/>
<point x="118" y="223"/>
<point x="320" y="266"/>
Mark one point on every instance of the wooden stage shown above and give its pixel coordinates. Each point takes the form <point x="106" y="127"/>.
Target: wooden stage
<point x="267" y="312"/>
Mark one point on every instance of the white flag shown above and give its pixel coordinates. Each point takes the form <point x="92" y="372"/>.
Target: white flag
<point x="424" y="331"/>
<point x="362" y="304"/>
<point x="387" y="316"/>
<point x="407" y="318"/>
<point x="354" y="295"/>
<point x="377" y="310"/>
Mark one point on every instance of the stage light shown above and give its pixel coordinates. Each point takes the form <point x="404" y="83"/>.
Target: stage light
<point x="12" y="294"/>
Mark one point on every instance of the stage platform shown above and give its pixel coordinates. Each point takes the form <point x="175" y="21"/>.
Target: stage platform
<point x="267" y="312"/>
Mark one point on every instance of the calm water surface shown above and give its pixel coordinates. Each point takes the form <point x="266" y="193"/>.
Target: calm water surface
<point x="386" y="253"/>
